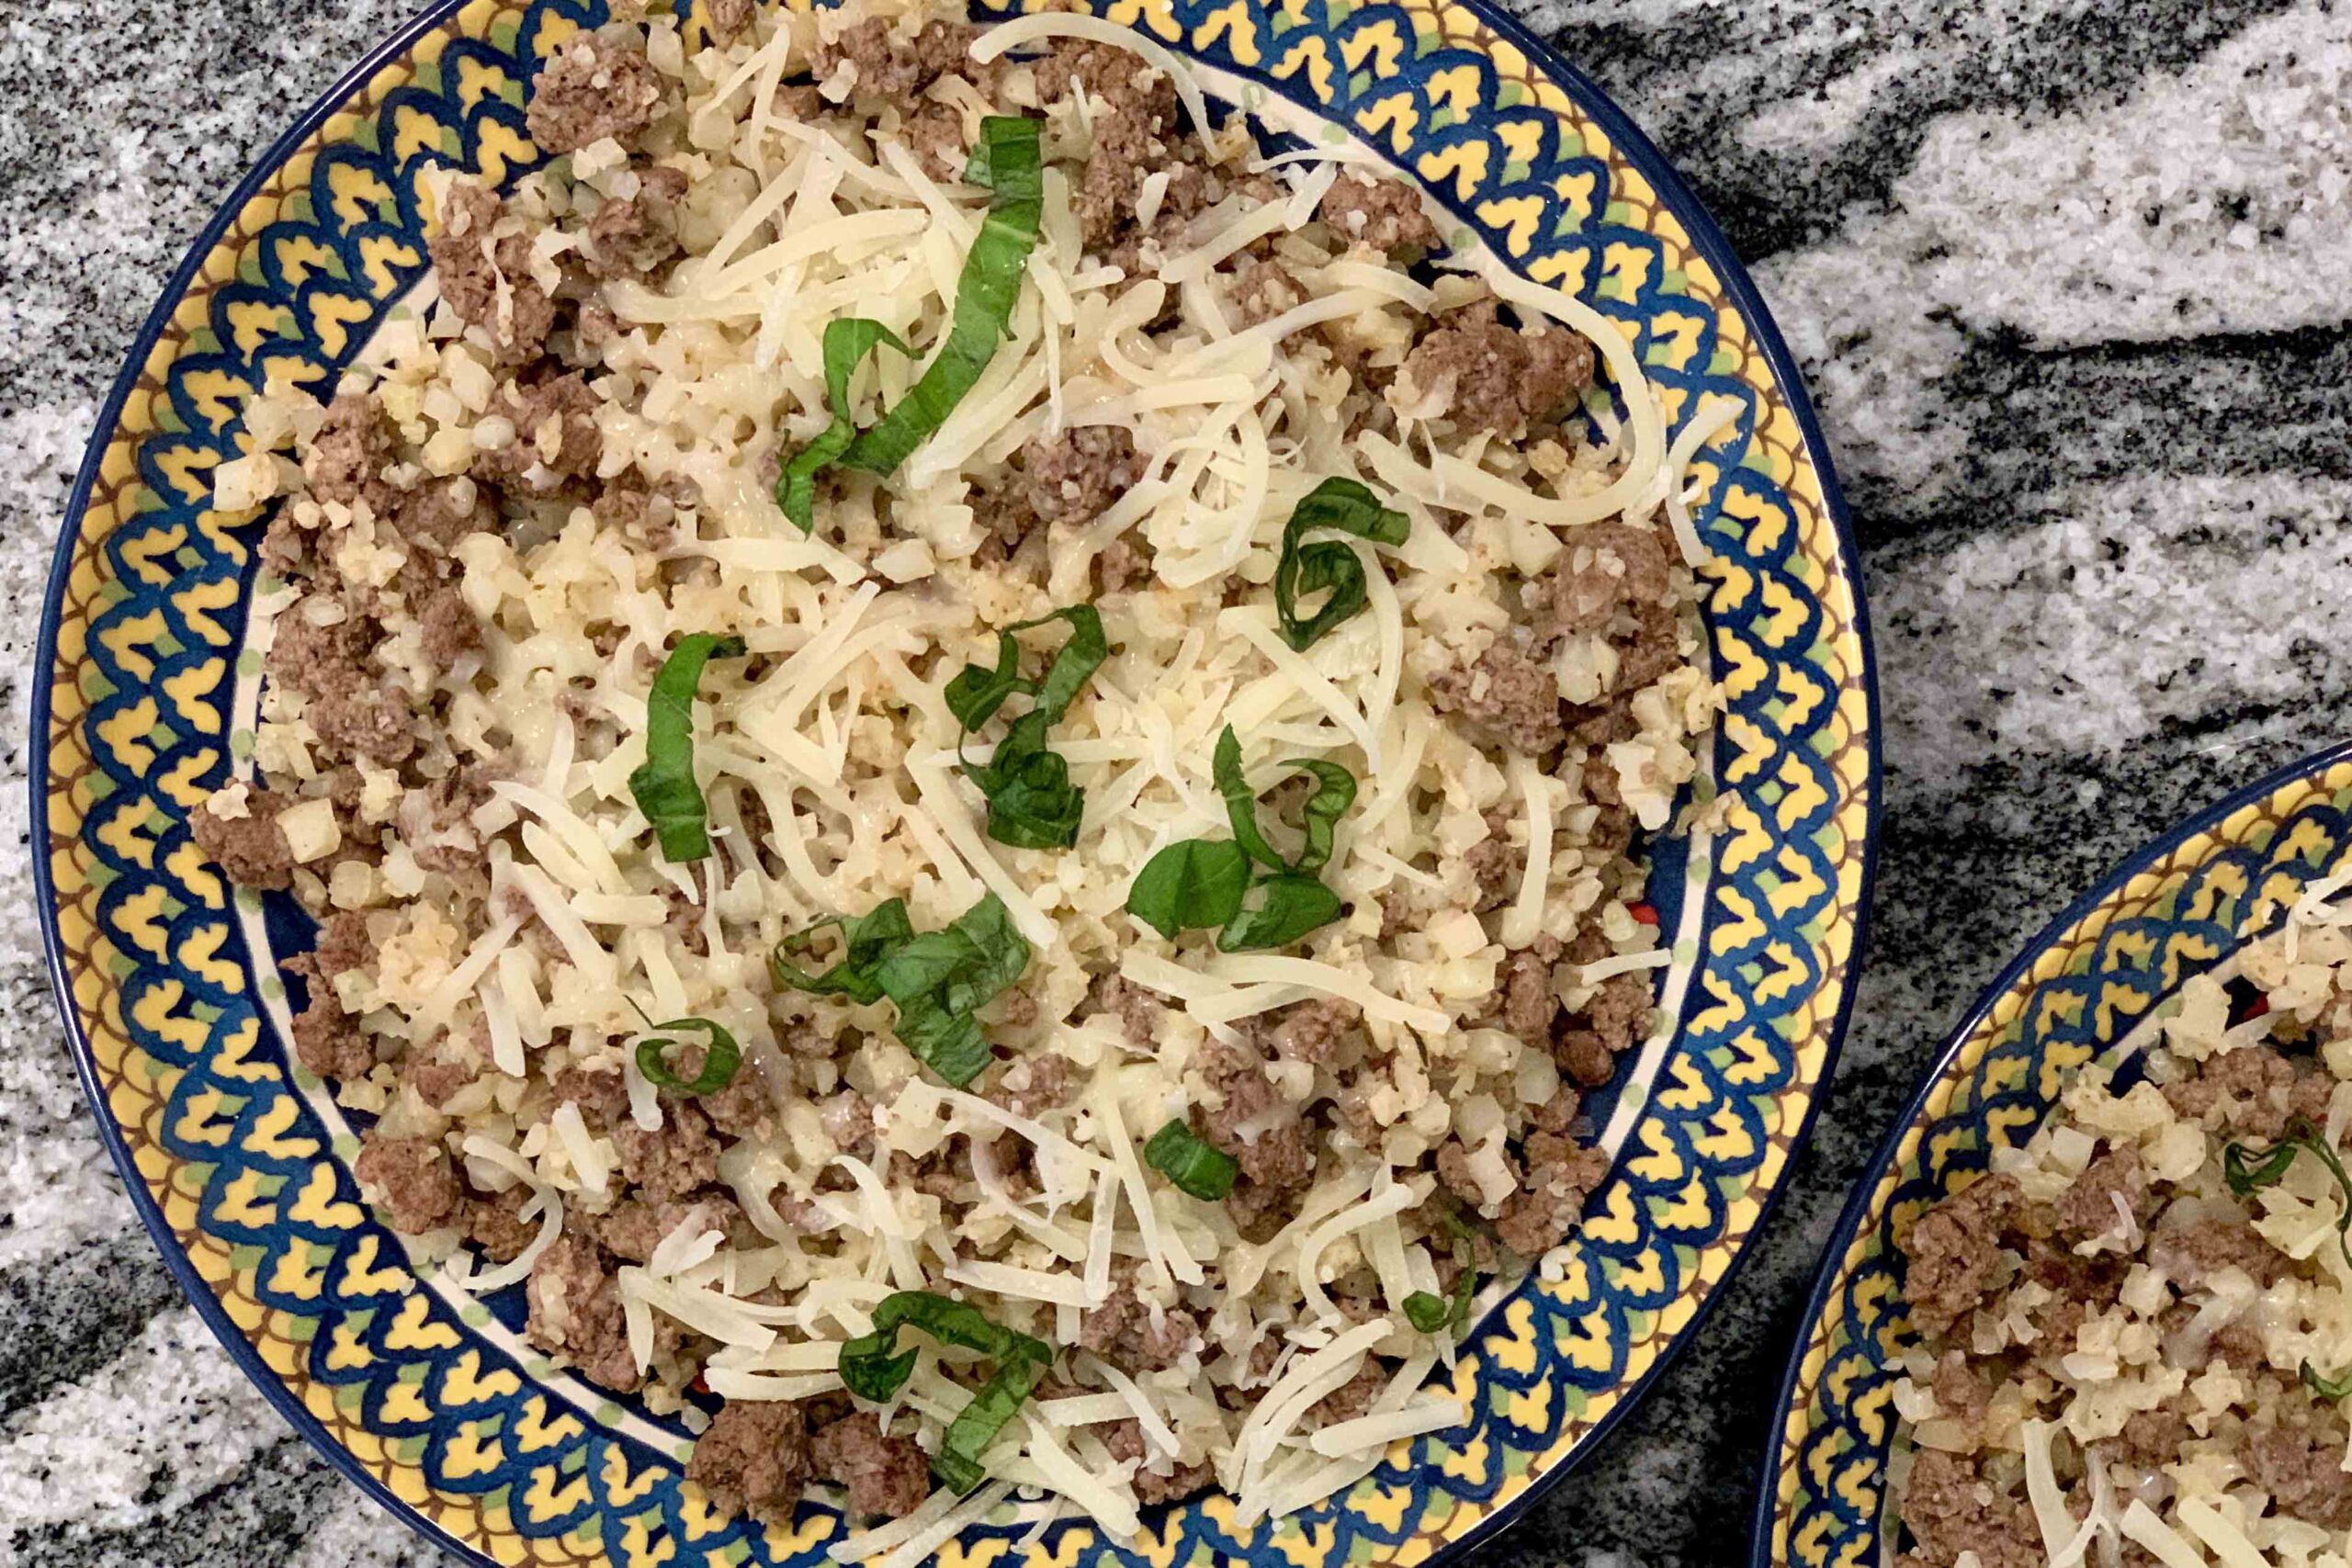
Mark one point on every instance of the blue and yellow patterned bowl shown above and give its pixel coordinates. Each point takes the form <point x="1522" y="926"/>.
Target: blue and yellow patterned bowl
<point x="431" y="1403"/>
<point x="2180" y="907"/>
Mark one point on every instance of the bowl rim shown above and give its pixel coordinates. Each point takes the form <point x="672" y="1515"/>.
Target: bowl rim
<point x="1858" y="1200"/>
<point x="1705" y="238"/>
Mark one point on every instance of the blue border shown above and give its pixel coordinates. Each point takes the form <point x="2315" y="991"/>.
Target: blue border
<point x="1705" y="238"/>
<point x="1858" y="1203"/>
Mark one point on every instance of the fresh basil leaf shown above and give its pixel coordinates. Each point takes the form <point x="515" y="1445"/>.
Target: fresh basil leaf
<point x="1289" y="907"/>
<point x="950" y="1044"/>
<point x="1191" y="885"/>
<point x="985" y="294"/>
<point x="1335" y="790"/>
<point x="941" y="978"/>
<point x="1426" y="1313"/>
<point x="1304" y="568"/>
<point x="1194" y="1165"/>
<point x="721" y="1055"/>
<point x="873" y="1372"/>
<point x="2248" y="1173"/>
<point x="976" y="693"/>
<point x="663" y="784"/>
<point x="1032" y="804"/>
<point x="1241" y="802"/>
<point x="866" y="940"/>
<point x="847" y="341"/>
<point x="2327" y="1388"/>
<point x="958" y="1462"/>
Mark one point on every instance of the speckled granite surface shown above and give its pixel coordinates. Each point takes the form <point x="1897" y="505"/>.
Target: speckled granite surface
<point x="2072" y="284"/>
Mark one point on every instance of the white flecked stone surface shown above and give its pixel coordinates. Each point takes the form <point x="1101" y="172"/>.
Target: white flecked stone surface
<point x="2071" y="283"/>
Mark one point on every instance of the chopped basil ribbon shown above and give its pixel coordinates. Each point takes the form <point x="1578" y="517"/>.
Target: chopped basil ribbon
<point x="663" y="784"/>
<point x="1191" y="884"/>
<point x="2327" y="1388"/>
<point x="866" y="940"/>
<point x="1335" y="506"/>
<point x="847" y="342"/>
<point x="2247" y="1171"/>
<point x="1430" y="1314"/>
<point x="721" y="1058"/>
<point x="1032" y="803"/>
<point x="1197" y="883"/>
<point x="936" y="979"/>
<point x="870" y="1369"/>
<point x="1007" y="162"/>
<point x="1195" y="1166"/>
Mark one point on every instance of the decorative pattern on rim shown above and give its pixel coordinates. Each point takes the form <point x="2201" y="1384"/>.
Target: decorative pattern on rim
<point x="233" y="1171"/>
<point x="2180" y="909"/>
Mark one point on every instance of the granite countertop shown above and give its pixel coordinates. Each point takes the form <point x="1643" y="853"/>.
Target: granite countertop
<point x="2071" y="285"/>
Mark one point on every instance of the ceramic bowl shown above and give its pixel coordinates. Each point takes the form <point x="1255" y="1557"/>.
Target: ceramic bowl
<point x="430" y="1401"/>
<point x="2184" y="904"/>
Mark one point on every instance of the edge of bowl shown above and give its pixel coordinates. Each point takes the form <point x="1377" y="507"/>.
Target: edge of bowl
<point x="1858" y="1201"/>
<point x="1706" y="237"/>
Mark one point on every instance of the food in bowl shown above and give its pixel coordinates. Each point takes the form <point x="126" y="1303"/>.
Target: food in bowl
<point x="2136" y="1327"/>
<point x="969" y="754"/>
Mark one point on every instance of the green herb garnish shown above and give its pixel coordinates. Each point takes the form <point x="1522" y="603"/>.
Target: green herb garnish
<point x="721" y="1055"/>
<point x="1032" y="803"/>
<point x="847" y="342"/>
<point x="2249" y="1171"/>
<point x="1335" y="506"/>
<point x="874" y="1369"/>
<point x="866" y="940"/>
<point x="663" y="784"/>
<point x="1197" y="883"/>
<point x="936" y="979"/>
<point x="2327" y="1388"/>
<point x="1007" y="162"/>
<point x="1195" y="1166"/>
<point x="1431" y="1313"/>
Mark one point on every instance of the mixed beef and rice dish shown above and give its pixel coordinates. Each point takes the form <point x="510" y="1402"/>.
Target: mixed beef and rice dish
<point x="2136" y="1327"/>
<point x="969" y="757"/>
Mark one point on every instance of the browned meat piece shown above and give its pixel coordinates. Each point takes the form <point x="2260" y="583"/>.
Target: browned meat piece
<point x="893" y="67"/>
<point x="1125" y="1439"/>
<point x="2246" y="1093"/>
<point x="448" y="629"/>
<point x="601" y="1097"/>
<point x="327" y="1039"/>
<point x="636" y="234"/>
<point x="343" y="944"/>
<point x="633" y="1227"/>
<point x="672" y="1161"/>
<point x="1558" y="1114"/>
<point x="743" y="1109"/>
<point x="1252" y="1122"/>
<point x="2302" y="1472"/>
<point x="1454" y="1171"/>
<point x="1529" y="1003"/>
<point x="1613" y="1021"/>
<point x="1949" y="1510"/>
<point x="1386" y="215"/>
<point x="1550" y="1199"/>
<point x="754" y="1459"/>
<point x="2194" y="1251"/>
<point x="1352" y="1399"/>
<point x="497" y="1226"/>
<point x="1488" y="378"/>
<point x="351" y="450"/>
<point x="1072" y="477"/>
<point x="1122" y="1331"/>
<point x="726" y="18"/>
<point x="1311" y="1031"/>
<point x="1137" y="1009"/>
<point x="883" y="1475"/>
<point x="1607" y="567"/>
<point x="1122" y="564"/>
<point x="555" y="433"/>
<point x="934" y="132"/>
<point x="440" y="511"/>
<point x="251" y="850"/>
<point x="437" y="1079"/>
<point x="2087" y="1209"/>
<point x="1953" y="1253"/>
<point x="1036" y="1084"/>
<point x="1960" y="1392"/>
<point x="575" y="1311"/>
<point x="1504" y="694"/>
<point x="373" y="723"/>
<point x="2150" y="1437"/>
<point x="410" y="1180"/>
<point x="588" y="90"/>
<point x="1497" y="863"/>
<point x="487" y="278"/>
<point x="322" y="661"/>
<point x="1135" y="133"/>
<point x="1263" y="290"/>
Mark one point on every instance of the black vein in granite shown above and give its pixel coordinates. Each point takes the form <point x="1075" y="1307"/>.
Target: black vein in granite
<point x="1695" y="80"/>
<point x="253" y="1519"/>
<point x="62" y="1318"/>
